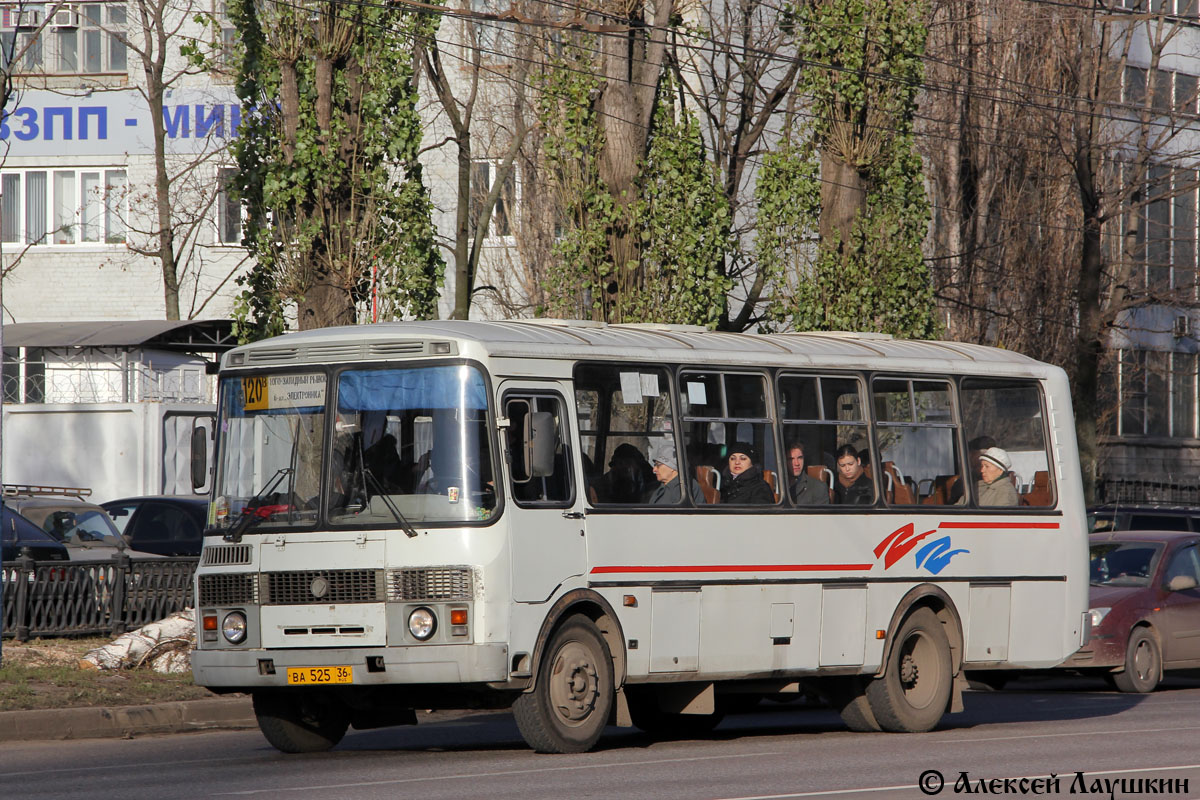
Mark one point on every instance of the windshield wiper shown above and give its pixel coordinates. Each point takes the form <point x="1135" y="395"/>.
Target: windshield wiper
<point x="377" y="487"/>
<point x="250" y="517"/>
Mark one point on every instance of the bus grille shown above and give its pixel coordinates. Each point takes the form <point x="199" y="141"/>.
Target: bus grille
<point x="226" y="554"/>
<point x="228" y="590"/>
<point x="324" y="586"/>
<point x="429" y="583"/>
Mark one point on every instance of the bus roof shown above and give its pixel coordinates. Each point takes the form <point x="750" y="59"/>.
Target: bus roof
<point x="571" y="339"/>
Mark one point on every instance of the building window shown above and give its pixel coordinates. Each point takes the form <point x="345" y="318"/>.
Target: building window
<point x="24" y="375"/>
<point x="483" y="178"/>
<point x="1158" y="394"/>
<point x="80" y="38"/>
<point x="63" y="206"/>
<point x="227" y="52"/>
<point x="229" y="210"/>
<point x="1163" y="241"/>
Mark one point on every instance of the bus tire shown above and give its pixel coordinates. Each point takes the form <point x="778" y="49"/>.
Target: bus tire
<point x="848" y="696"/>
<point x="912" y="694"/>
<point x="573" y="696"/>
<point x="300" y="721"/>
<point x="1143" y="663"/>
<point x="646" y="714"/>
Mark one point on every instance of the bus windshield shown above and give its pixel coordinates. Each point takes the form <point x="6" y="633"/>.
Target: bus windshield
<point x="409" y="444"/>
<point x="271" y="436"/>
<point x="413" y="442"/>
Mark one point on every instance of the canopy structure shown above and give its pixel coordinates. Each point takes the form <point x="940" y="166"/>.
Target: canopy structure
<point x="183" y="336"/>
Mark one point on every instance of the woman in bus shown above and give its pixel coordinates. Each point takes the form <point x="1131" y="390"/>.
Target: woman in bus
<point x="742" y="482"/>
<point x="995" y="482"/>
<point x="852" y="486"/>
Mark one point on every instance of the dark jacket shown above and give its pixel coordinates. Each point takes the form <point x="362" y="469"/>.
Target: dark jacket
<point x="859" y="493"/>
<point x="808" y="491"/>
<point x="667" y="494"/>
<point x="746" y="489"/>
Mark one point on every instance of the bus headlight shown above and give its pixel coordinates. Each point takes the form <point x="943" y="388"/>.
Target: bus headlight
<point x="422" y="623"/>
<point x="233" y="628"/>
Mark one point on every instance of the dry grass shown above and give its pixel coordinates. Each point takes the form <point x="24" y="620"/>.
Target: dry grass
<point x="44" y="673"/>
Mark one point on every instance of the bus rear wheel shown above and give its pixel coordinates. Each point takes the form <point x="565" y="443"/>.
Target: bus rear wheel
<point x="912" y="694"/>
<point x="300" y="721"/>
<point x="573" y="696"/>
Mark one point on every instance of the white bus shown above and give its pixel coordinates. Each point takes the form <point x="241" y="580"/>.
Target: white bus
<point x="600" y="524"/>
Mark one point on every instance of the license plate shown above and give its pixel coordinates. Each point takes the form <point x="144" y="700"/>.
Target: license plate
<point x="312" y="676"/>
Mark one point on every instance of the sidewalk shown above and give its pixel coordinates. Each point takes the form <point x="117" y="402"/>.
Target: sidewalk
<point x="232" y="713"/>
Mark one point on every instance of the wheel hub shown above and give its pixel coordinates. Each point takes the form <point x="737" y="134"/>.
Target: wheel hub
<point x="576" y="685"/>
<point x="909" y="672"/>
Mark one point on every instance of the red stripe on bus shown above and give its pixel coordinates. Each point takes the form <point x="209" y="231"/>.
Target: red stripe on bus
<point x="1002" y="525"/>
<point x="740" y="568"/>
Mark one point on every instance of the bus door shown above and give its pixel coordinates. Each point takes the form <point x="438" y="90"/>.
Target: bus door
<point x="545" y="512"/>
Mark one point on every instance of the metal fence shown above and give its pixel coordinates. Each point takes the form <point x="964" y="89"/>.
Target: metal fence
<point x="92" y="598"/>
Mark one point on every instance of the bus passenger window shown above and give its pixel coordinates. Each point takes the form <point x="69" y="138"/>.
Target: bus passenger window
<point x="729" y="438"/>
<point x="821" y="414"/>
<point x="917" y="435"/>
<point x="1007" y="414"/>
<point x="531" y="483"/>
<point x="624" y="413"/>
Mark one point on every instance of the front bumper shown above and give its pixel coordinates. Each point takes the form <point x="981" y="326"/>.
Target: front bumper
<point x="431" y="664"/>
<point x="1101" y="651"/>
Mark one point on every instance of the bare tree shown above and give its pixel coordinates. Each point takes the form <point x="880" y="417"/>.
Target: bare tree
<point x="1044" y="113"/>
<point x="464" y="84"/>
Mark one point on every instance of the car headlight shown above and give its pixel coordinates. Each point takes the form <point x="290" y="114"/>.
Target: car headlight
<point x="422" y="623"/>
<point x="1098" y="615"/>
<point x="233" y="628"/>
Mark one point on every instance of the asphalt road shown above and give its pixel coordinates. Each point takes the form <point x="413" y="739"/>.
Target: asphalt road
<point x="1032" y="729"/>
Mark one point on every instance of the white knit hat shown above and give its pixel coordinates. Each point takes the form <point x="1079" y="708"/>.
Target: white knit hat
<point x="997" y="457"/>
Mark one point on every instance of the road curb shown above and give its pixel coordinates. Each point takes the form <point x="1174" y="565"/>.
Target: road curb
<point x="126" y="721"/>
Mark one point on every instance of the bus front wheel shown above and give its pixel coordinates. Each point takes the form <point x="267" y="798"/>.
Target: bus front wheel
<point x="573" y="696"/>
<point x="912" y="694"/>
<point x="300" y="721"/>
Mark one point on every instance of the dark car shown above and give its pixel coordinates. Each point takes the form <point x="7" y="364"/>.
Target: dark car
<point x="17" y="533"/>
<point x="1144" y="607"/>
<point x="166" y="525"/>
<point x="1143" y="517"/>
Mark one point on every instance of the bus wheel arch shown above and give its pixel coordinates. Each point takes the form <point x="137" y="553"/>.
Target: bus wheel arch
<point x="936" y="600"/>
<point x="597" y="609"/>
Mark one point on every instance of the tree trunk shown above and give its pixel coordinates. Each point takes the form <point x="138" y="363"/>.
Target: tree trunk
<point x="843" y="195"/>
<point x="162" y="196"/>
<point x="464" y="276"/>
<point x="324" y="305"/>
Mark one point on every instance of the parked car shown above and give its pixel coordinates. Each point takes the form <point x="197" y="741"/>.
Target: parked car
<point x="1143" y="517"/>
<point x="166" y="525"/>
<point x="85" y="528"/>
<point x="1144" y="607"/>
<point x="17" y="533"/>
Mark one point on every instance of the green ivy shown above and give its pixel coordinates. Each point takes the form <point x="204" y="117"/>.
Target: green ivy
<point x="863" y="71"/>
<point x="307" y="211"/>
<point x="681" y="218"/>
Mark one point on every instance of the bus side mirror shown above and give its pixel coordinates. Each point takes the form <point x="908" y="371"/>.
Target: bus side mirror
<point x="540" y="442"/>
<point x="199" y="457"/>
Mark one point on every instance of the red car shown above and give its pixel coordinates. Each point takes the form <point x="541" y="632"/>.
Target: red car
<point x="1145" y="607"/>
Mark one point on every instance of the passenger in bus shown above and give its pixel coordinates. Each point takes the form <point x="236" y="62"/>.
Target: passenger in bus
<point x="995" y="484"/>
<point x="852" y="486"/>
<point x="975" y="449"/>
<point x="666" y="469"/>
<point x="629" y="478"/>
<point x="742" y="482"/>
<point x="805" y="489"/>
